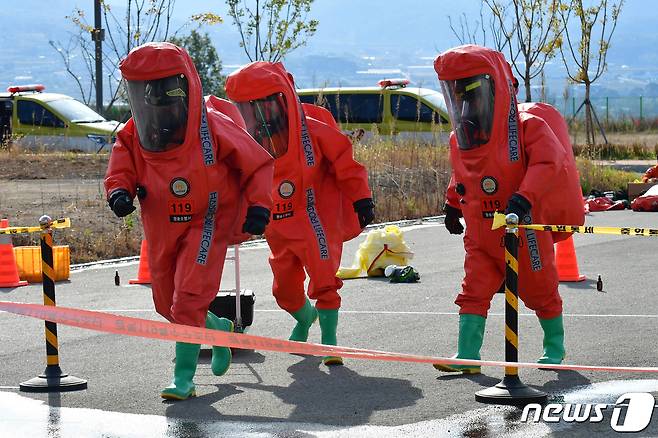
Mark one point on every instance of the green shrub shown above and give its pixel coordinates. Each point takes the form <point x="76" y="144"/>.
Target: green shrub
<point x="603" y="178"/>
<point x="632" y="151"/>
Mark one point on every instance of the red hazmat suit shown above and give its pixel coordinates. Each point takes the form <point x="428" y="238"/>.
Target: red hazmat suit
<point x="225" y="107"/>
<point x="569" y="208"/>
<point x="196" y="193"/>
<point x="651" y="173"/>
<point x="315" y="183"/>
<point x="524" y="156"/>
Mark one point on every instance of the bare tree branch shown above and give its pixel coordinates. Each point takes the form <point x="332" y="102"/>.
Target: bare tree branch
<point x="65" y="54"/>
<point x="144" y="20"/>
<point x="532" y="35"/>
<point x="486" y="24"/>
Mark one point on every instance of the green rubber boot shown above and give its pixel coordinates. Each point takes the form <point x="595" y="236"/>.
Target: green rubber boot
<point x="182" y="387"/>
<point x="553" y="340"/>
<point x="221" y="356"/>
<point x="471" y="335"/>
<point x="328" y="324"/>
<point x="305" y="317"/>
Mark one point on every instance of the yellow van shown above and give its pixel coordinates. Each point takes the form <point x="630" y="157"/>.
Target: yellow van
<point x="34" y="120"/>
<point x="390" y="110"/>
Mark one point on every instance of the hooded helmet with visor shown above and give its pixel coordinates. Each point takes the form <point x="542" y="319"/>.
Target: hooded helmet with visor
<point x="267" y="122"/>
<point x="471" y="109"/>
<point x="160" y="111"/>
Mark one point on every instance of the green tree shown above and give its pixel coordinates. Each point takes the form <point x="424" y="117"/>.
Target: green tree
<point x="587" y="45"/>
<point x="270" y="29"/>
<point x="206" y="60"/>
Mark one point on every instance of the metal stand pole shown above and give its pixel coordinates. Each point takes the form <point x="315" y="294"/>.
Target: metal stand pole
<point x="238" y="297"/>
<point x="98" y="35"/>
<point x="52" y="379"/>
<point x="511" y="391"/>
<point x="588" y="103"/>
<point x="596" y="119"/>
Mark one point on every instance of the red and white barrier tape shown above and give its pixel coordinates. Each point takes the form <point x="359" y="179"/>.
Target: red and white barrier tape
<point x="145" y="328"/>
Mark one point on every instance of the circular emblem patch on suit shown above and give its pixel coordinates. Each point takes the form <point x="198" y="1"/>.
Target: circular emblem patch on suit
<point x="489" y="185"/>
<point x="179" y="187"/>
<point x="286" y="189"/>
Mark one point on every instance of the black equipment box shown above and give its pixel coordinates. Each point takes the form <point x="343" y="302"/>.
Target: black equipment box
<point x="224" y="306"/>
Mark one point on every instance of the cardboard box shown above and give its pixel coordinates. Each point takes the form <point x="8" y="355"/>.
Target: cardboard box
<point x="637" y="189"/>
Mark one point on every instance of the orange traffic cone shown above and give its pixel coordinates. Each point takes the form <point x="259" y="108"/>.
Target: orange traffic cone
<point x="566" y="262"/>
<point x="143" y="273"/>
<point x="8" y="269"/>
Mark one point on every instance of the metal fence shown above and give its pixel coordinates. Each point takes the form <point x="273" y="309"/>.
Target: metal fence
<point x="612" y="109"/>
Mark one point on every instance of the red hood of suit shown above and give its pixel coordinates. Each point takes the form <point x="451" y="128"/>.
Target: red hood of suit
<point x="261" y="79"/>
<point x="257" y="80"/>
<point x="470" y="60"/>
<point x="159" y="60"/>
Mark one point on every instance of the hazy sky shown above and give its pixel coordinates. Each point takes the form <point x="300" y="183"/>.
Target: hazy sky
<point x="356" y="24"/>
<point x="396" y="33"/>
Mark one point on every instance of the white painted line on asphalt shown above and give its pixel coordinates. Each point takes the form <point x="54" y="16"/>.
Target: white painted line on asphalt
<point x="386" y="312"/>
<point x="405" y="225"/>
<point x="102" y="265"/>
<point x="419" y="226"/>
<point x="123" y="310"/>
<point x="574" y="315"/>
<point x="601" y="315"/>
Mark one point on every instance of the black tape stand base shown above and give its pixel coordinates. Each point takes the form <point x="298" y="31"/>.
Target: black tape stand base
<point x="511" y="391"/>
<point x="53" y="380"/>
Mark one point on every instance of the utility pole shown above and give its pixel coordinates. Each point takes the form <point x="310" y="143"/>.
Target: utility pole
<point x="98" y="35"/>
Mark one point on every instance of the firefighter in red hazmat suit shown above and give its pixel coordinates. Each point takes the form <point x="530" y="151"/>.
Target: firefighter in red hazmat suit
<point x="202" y="183"/>
<point x="318" y="187"/>
<point x="504" y="158"/>
<point x="571" y="213"/>
<point x="650" y="175"/>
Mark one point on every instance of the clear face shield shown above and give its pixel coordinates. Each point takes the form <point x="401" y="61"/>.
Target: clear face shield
<point x="267" y="122"/>
<point x="159" y="109"/>
<point x="471" y="108"/>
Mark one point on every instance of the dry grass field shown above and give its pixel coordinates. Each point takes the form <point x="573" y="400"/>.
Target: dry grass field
<point x="408" y="181"/>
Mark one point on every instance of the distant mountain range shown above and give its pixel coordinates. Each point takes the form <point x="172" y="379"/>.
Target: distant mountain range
<point x="357" y="43"/>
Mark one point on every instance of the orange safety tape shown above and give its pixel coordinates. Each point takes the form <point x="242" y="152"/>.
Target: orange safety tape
<point x="144" y="328"/>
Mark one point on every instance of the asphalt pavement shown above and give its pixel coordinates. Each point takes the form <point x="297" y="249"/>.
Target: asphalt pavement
<point x="639" y="166"/>
<point x="284" y="395"/>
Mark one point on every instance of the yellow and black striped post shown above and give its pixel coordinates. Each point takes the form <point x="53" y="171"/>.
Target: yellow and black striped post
<point x="52" y="379"/>
<point x="512" y="299"/>
<point x="511" y="391"/>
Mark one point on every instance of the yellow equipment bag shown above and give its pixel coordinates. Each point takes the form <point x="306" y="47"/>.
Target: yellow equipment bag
<point x="381" y="248"/>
